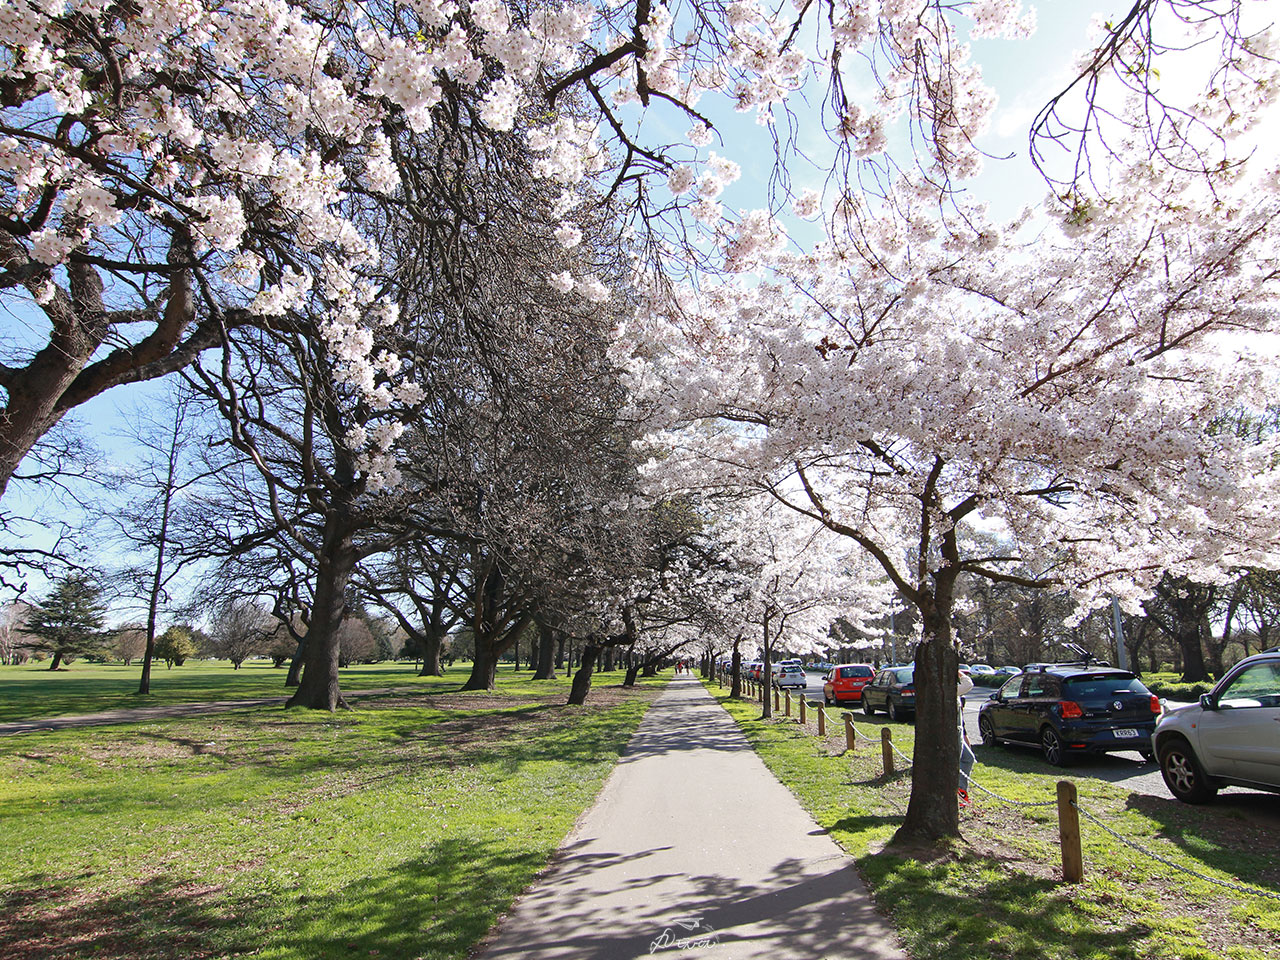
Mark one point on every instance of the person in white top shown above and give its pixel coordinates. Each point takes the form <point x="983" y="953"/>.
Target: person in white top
<point x="963" y="685"/>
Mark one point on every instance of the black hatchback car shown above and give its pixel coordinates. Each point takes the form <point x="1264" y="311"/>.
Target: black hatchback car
<point x="1067" y="709"/>
<point x="893" y="691"/>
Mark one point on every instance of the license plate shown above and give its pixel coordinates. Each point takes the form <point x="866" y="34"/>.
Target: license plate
<point x="1125" y="733"/>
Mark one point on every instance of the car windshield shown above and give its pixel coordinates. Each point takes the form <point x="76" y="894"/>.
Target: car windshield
<point x="1107" y="685"/>
<point x="855" y="672"/>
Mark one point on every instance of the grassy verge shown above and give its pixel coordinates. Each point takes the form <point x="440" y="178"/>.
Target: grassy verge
<point x="32" y="691"/>
<point x="398" y="830"/>
<point x="997" y="894"/>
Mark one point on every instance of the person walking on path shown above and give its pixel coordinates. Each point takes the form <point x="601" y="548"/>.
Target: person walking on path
<point x="694" y="848"/>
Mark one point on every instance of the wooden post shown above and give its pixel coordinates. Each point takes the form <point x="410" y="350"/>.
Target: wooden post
<point x="822" y="722"/>
<point x="886" y="749"/>
<point x="776" y="701"/>
<point x="1069" y="833"/>
<point x="788" y="695"/>
<point x="802" y="712"/>
<point x="850" y="735"/>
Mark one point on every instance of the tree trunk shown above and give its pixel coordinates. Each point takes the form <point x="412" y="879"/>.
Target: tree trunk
<point x="650" y="669"/>
<point x="484" y="666"/>
<point x="629" y="680"/>
<point x="766" y="672"/>
<point x="608" y="659"/>
<point x="560" y="651"/>
<point x="56" y="662"/>
<point x="582" y="679"/>
<point x="318" y="688"/>
<point x="735" y="669"/>
<point x="546" y="652"/>
<point x="430" y="643"/>
<point x="294" y="676"/>
<point x="933" y="812"/>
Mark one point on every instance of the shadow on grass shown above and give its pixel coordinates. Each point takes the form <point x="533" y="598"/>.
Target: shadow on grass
<point x="1009" y="914"/>
<point x="433" y="906"/>
<point x="66" y="919"/>
<point x="1235" y="834"/>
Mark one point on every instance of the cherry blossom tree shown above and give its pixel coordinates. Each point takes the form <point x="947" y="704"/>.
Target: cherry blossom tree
<point x="1057" y="379"/>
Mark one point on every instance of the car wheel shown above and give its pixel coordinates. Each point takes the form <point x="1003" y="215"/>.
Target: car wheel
<point x="1182" y="773"/>
<point x="867" y="708"/>
<point x="1051" y="744"/>
<point x="892" y="710"/>
<point x="987" y="730"/>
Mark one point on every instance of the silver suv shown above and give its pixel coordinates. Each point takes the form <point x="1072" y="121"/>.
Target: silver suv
<point x="1232" y="736"/>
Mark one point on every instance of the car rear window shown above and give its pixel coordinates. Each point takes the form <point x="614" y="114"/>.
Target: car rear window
<point x="847" y="672"/>
<point x="1106" y="685"/>
<point x="904" y="676"/>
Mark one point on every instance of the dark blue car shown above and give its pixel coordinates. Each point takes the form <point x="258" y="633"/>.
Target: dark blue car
<point x="1067" y="709"/>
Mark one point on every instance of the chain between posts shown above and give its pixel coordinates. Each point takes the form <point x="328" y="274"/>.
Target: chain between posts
<point x="1254" y="891"/>
<point x="1092" y="818"/>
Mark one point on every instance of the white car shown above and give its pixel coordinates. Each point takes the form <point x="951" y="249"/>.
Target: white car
<point x="790" y="675"/>
<point x="1232" y="736"/>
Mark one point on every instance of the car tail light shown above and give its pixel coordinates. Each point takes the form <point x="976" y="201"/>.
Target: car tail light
<point x="1155" y="705"/>
<point x="1070" y="710"/>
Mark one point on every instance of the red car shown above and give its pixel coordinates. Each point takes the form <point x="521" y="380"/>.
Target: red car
<point x="844" y="683"/>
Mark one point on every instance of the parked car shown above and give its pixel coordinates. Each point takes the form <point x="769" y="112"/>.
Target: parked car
<point x="1068" y="709"/>
<point x="893" y="691"/>
<point x="790" y="675"/>
<point x="844" y="683"/>
<point x="752" y="669"/>
<point x="1232" y="736"/>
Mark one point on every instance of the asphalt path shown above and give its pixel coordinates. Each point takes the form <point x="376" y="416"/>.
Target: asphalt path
<point x="694" y="848"/>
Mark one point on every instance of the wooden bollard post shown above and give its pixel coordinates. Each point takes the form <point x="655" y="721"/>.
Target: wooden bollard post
<point x="1069" y="833"/>
<point x="802" y="717"/>
<point x="822" y="722"/>
<point x="886" y="749"/>
<point x="788" y="703"/>
<point x="850" y="735"/>
<point x="776" y="701"/>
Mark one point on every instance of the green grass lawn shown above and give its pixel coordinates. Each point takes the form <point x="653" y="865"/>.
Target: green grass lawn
<point x="400" y="829"/>
<point x="997" y="895"/>
<point x="32" y="691"/>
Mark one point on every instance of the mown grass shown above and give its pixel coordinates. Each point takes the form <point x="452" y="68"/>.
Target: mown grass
<point x="32" y="691"/>
<point x="400" y="829"/>
<point x="998" y="894"/>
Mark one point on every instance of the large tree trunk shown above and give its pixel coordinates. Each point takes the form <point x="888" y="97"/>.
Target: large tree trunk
<point x="735" y="669"/>
<point x="546" y="653"/>
<point x="933" y="812"/>
<point x="582" y="679"/>
<point x="484" y="667"/>
<point x="430" y="643"/>
<point x="57" y="661"/>
<point x="766" y="673"/>
<point x="560" y="641"/>
<point x="318" y="688"/>
<point x="629" y="680"/>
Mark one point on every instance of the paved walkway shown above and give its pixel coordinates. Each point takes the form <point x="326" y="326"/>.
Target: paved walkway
<point x="695" y="849"/>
